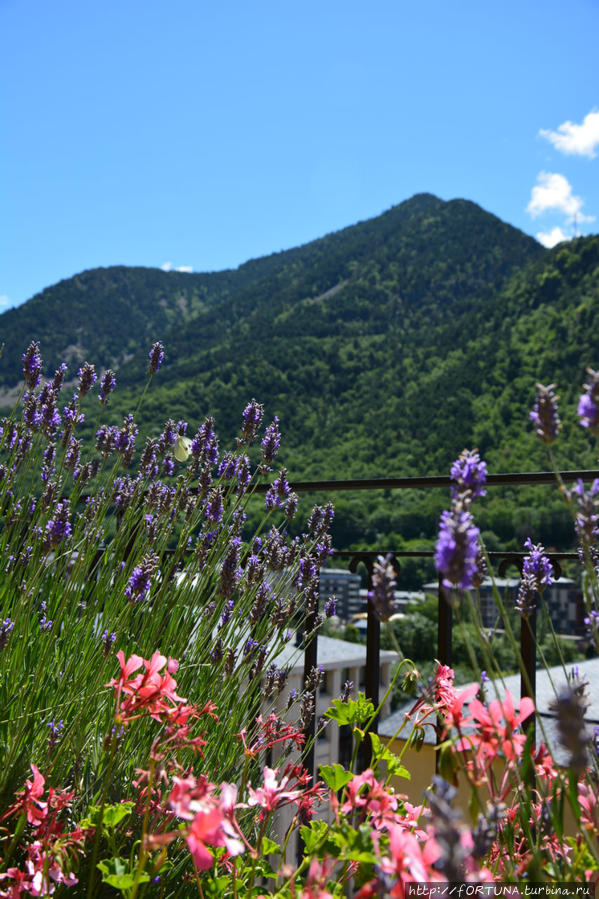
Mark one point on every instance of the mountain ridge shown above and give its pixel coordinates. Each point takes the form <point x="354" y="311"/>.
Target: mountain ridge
<point x="148" y="302"/>
<point x="384" y="349"/>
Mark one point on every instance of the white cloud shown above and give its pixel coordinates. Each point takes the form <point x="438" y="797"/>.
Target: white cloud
<point x="578" y="139"/>
<point x="551" y="238"/>
<point x="554" y="192"/>
<point x="169" y="267"/>
<point x="4" y="301"/>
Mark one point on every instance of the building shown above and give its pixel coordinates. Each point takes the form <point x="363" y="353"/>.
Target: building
<point x="345" y="587"/>
<point x="563" y="600"/>
<point x="351" y="598"/>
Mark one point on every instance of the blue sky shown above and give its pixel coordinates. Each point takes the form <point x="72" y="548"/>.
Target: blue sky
<point x="197" y="135"/>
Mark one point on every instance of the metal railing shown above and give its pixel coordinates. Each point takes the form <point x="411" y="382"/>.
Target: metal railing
<point x="445" y="614"/>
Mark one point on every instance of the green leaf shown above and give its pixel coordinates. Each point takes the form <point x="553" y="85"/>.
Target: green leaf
<point x="354" y="711"/>
<point x="117" y="873"/>
<point x="113" y="815"/>
<point x="335" y="776"/>
<point x="268" y="846"/>
<point x="314" y="835"/>
<point x="215" y="887"/>
<point x="382" y="753"/>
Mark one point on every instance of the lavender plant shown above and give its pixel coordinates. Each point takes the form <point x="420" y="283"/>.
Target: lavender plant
<point x="179" y="575"/>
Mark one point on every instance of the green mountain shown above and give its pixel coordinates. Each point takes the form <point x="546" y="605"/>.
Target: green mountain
<point x="384" y="348"/>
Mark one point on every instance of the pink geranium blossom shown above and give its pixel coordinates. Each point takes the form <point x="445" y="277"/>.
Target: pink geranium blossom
<point x="211" y="817"/>
<point x="492" y="736"/>
<point x="272" y="794"/>
<point x="366" y="793"/>
<point x="147" y="692"/>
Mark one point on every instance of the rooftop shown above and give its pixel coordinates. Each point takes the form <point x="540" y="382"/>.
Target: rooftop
<point x="331" y="653"/>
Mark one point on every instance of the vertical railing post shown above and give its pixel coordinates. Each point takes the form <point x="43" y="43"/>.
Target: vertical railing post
<point x="373" y="667"/>
<point x="444" y="625"/>
<point x="444" y="643"/>
<point x="310" y="662"/>
<point x="528" y="674"/>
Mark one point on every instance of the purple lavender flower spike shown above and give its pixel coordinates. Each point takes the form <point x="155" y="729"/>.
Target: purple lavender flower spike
<point x="213" y="508"/>
<point x="156" y="357"/>
<point x="140" y="581"/>
<point x="59" y="526"/>
<point x="107" y="385"/>
<point x="252" y="416"/>
<point x="6" y="628"/>
<point x="537" y="573"/>
<point x="536" y="565"/>
<point x="457" y="548"/>
<point x="108" y="639"/>
<point x="544" y="414"/>
<point x="72" y="455"/>
<point x="32" y="365"/>
<point x="226" y="469"/>
<point x="87" y="378"/>
<point x="125" y="440"/>
<point x="204" y="445"/>
<point x="50" y="417"/>
<point x="587" y="504"/>
<point x="469" y="475"/>
<point x="54" y="735"/>
<point x="278" y="491"/>
<point x="106" y="439"/>
<point x="291" y="506"/>
<point x="330" y="607"/>
<point x="230" y="571"/>
<point x="588" y="404"/>
<point x="45" y="623"/>
<point x="243" y="472"/>
<point x="32" y="415"/>
<point x="382" y="595"/>
<point x="58" y="378"/>
<point x="271" y="442"/>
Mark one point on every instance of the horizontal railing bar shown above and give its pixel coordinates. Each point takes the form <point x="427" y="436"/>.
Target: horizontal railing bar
<point x="361" y="554"/>
<point x="493" y="480"/>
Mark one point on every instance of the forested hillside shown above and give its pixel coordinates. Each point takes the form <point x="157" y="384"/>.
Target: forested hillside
<point x="384" y="349"/>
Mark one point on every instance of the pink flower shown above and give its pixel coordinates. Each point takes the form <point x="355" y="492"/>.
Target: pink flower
<point x="147" y="692"/>
<point x="492" y="735"/>
<point x="365" y="792"/>
<point x="30" y="801"/>
<point x="212" y="819"/>
<point x="272" y="794"/>
<point x="408" y="860"/>
<point x="587" y="798"/>
<point x="318" y="874"/>
<point x="452" y="711"/>
<point x="272" y="730"/>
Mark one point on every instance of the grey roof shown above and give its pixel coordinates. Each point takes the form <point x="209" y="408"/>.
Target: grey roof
<point x="330" y="653"/>
<point x="549" y="682"/>
<point x="336" y="572"/>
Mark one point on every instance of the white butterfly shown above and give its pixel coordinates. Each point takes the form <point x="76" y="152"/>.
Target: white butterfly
<point x="182" y="448"/>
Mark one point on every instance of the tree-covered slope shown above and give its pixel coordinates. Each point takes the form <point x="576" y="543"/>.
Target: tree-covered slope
<point x="384" y="349"/>
<point x="423" y="253"/>
<point x="105" y="314"/>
